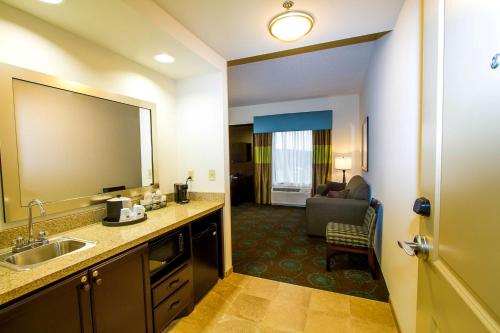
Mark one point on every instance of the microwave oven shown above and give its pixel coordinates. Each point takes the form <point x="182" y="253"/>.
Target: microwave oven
<point x="167" y="252"/>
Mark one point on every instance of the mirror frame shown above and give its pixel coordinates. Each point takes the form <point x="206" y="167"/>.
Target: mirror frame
<point x="10" y="181"/>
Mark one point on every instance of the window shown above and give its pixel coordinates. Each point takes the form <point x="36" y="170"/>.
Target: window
<point x="292" y="159"/>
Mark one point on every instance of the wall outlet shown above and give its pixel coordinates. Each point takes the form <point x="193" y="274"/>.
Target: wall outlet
<point x="211" y="175"/>
<point x="191" y="174"/>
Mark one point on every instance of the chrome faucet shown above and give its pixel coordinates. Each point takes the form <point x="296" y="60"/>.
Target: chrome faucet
<point x="20" y="244"/>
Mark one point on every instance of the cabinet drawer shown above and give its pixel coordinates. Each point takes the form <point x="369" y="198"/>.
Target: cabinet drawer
<point x="167" y="310"/>
<point x="171" y="284"/>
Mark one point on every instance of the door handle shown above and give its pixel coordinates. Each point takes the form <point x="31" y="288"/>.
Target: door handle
<point x="419" y="247"/>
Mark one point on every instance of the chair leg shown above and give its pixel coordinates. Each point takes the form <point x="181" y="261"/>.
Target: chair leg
<point x="371" y="263"/>
<point x="329" y="253"/>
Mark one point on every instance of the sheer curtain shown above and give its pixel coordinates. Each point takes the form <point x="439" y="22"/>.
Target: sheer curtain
<point x="292" y="159"/>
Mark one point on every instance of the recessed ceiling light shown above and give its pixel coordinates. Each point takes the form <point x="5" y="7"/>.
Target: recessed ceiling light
<point x="52" y="2"/>
<point x="291" y="25"/>
<point x="164" y="58"/>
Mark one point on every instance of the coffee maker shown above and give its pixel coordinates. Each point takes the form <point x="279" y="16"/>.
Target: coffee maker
<point x="181" y="192"/>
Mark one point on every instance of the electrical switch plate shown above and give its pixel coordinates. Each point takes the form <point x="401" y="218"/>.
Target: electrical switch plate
<point x="211" y="175"/>
<point x="191" y="174"/>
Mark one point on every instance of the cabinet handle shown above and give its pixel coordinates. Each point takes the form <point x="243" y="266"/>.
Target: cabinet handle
<point x="95" y="275"/>
<point x="173" y="283"/>
<point x="174" y="305"/>
<point x="85" y="283"/>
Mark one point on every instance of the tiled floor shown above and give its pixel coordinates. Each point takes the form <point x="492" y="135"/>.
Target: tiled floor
<point x="242" y="303"/>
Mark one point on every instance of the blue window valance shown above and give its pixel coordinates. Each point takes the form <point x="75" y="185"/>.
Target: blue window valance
<point x="302" y="121"/>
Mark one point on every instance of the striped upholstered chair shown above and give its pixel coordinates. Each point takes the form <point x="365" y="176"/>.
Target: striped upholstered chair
<point x="353" y="238"/>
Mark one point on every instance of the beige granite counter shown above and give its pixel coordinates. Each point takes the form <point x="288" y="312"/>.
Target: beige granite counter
<point x="110" y="241"/>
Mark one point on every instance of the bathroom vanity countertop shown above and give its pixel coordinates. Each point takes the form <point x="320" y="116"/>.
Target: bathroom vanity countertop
<point x="110" y="241"/>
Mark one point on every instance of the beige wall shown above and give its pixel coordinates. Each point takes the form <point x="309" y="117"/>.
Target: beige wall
<point x="346" y="130"/>
<point x="200" y="131"/>
<point x="391" y="99"/>
<point x="202" y="139"/>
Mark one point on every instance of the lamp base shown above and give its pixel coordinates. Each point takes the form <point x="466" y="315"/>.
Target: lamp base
<point x="343" y="178"/>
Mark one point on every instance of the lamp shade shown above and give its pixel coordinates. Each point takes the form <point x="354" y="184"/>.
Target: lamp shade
<point x="343" y="163"/>
<point x="291" y="26"/>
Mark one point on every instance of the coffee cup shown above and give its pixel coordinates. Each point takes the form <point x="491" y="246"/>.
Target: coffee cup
<point x="126" y="215"/>
<point x="139" y="211"/>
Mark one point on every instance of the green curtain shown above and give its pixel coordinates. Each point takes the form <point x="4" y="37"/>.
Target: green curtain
<point x="322" y="157"/>
<point x="263" y="172"/>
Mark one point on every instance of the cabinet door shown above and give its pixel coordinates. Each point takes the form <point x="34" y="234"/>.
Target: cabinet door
<point x="61" y="308"/>
<point x="121" y="293"/>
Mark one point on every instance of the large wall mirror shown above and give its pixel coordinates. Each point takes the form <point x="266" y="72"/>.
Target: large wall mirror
<point x="71" y="146"/>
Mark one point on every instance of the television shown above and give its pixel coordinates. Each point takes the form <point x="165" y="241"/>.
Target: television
<point x="240" y="152"/>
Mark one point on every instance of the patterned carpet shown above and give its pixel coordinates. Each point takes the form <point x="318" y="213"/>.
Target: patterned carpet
<point x="271" y="242"/>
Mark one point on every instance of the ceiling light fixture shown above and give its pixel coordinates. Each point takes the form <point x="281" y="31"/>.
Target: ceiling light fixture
<point x="52" y="2"/>
<point x="290" y="25"/>
<point x="164" y="58"/>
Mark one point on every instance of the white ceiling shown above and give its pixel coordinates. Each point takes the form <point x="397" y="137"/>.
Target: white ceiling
<point x="338" y="71"/>
<point x="238" y="29"/>
<point x="235" y="29"/>
<point x="116" y="26"/>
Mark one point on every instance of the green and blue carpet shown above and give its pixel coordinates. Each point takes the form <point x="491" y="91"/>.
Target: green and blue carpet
<point x="271" y="242"/>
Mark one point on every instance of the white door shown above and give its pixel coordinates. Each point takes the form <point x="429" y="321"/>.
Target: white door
<point x="459" y="284"/>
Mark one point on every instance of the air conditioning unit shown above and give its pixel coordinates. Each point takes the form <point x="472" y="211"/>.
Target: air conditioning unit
<point x="290" y="196"/>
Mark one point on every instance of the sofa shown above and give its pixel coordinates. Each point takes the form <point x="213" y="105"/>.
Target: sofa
<point x="322" y="209"/>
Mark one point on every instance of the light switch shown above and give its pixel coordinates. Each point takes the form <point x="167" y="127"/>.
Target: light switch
<point x="191" y="174"/>
<point x="211" y="175"/>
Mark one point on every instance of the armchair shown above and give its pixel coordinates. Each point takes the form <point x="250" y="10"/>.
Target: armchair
<point x="320" y="209"/>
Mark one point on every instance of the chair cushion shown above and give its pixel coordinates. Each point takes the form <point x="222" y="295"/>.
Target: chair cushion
<point x="347" y="234"/>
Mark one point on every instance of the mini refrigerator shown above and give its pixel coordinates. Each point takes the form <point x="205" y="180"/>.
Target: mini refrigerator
<point x="205" y="259"/>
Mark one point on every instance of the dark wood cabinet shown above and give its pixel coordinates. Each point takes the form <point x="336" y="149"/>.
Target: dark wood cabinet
<point x="173" y="297"/>
<point x="114" y="296"/>
<point x="166" y="287"/>
<point x="61" y="308"/>
<point x="171" y="307"/>
<point x="120" y="292"/>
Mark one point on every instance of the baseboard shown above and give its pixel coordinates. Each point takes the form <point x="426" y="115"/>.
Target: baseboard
<point x="394" y="315"/>
<point x="228" y="272"/>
